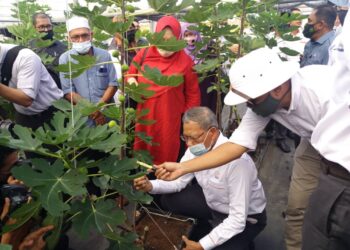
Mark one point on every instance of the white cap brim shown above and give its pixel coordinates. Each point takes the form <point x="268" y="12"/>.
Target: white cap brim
<point x="284" y="72"/>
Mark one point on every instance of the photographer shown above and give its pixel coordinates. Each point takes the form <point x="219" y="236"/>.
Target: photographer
<point x="13" y="194"/>
<point x="20" y="238"/>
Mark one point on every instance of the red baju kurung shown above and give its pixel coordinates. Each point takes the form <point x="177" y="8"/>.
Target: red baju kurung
<point x="168" y="104"/>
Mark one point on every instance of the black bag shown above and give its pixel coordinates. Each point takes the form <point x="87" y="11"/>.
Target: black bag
<point x="6" y="70"/>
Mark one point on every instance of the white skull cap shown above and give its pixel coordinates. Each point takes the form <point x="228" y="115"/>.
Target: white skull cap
<point x="77" y="22"/>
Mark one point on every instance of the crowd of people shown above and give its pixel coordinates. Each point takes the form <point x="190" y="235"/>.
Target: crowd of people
<point x="215" y="181"/>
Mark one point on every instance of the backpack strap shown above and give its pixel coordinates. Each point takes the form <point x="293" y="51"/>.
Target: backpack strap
<point x="6" y="69"/>
<point x="143" y="56"/>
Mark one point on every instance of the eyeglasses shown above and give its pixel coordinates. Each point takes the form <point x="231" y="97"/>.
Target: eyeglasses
<point x="186" y="138"/>
<point x="250" y="101"/>
<point x="44" y="27"/>
<point x="83" y="37"/>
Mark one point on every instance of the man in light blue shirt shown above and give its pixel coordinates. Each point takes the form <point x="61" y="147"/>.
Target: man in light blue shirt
<point x="96" y="84"/>
<point x="320" y="31"/>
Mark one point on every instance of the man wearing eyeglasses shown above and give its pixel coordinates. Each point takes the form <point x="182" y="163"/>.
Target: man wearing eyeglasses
<point x="43" y="25"/>
<point x="96" y="84"/>
<point x="230" y="197"/>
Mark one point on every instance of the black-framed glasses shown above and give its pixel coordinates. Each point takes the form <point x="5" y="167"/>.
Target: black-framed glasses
<point x="44" y="27"/>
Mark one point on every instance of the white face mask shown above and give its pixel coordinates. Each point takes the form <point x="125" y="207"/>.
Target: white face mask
<point x="82" y="48"/>
<point x="165" y="53"/>
<point x="190" y="39"/>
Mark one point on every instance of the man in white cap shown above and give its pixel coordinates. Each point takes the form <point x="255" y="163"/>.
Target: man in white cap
<point x="96" y="84"/>
<point x="298" y="99"/>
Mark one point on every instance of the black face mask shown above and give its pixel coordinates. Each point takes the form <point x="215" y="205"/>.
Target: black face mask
<point x="48" y="35"/>
<point x="309" y="30"/>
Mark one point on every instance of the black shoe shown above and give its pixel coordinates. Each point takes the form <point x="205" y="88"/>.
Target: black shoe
<point x="282" y="144"/>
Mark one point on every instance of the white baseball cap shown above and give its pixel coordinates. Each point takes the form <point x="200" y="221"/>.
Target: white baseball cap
<point x="77" y="22"/>
<point x="257" y="73"/>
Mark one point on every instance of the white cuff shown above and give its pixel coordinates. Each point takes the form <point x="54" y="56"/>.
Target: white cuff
<point x="207" y="243"/>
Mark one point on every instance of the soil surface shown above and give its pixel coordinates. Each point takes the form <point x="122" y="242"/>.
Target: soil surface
<point x="155" y="239"/>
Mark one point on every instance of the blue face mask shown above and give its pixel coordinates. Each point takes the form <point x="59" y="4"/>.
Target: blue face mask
<point x="200" y="149"/>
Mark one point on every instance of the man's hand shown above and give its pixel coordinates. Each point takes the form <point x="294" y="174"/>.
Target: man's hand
<point x="5" y="220"/>
<point x="169" y="171"/>
<point x="98" y="117"/>
<point x="13" y="181"/>
<point x="34" y="240"/>
<point x="191" y="245"/>
<point x="143" y="184"/>
<point x="132" y="80"/>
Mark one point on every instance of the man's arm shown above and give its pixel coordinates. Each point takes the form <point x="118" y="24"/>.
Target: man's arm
<point x="15" y="95"/>
<point x="74" y="97"/>
<point x="108" y="94"/>
<point x="217" y="157"/>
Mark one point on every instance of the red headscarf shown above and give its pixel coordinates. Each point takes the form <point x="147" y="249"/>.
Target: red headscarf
<point x="172" y="23"/>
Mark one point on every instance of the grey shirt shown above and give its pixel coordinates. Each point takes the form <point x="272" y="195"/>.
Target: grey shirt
<point x="30" y="76"/>
<point x="316" y="52"/>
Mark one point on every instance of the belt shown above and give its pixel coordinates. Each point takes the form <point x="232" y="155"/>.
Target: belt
<point x="335" y="169"/>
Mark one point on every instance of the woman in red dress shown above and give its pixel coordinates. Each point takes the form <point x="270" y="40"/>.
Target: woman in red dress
<point x="168" y="104"/>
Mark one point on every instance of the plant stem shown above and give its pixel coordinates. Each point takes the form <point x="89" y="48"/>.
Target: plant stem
<point x="106" y="195"/>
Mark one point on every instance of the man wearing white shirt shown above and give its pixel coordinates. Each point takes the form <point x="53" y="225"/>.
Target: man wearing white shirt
<point x="297" y="98"/>
<point x="327" y="219"/>
<point x="233" y="194"/>
<point x="30" y="88"/>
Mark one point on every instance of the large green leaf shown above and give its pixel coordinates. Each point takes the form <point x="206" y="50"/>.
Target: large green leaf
<point x="126" y="189"/>
<point x="25" y="140"/>
<point x="126" y="241"/>
<point x="289" y="52"/>
<point x="146" y="138"/>
<point x="154" y="75"/>
<point x="9" y="247"/>
<point x="103" y="215"/>
<point x="106" y="24"/>
<point x="139" y="92"/>
<point x="119" y="169"/>
<point x="198" y="14"/>
<point x="172" y="44"/>
<point x="84" y="11"/>
<point x="169" y="6"/>
<point x="51" y="182"/>
<point x="77" y="65"/>
<point x="110" y="145"/>
<point x="56" y="233"/>
<point x="207" y="65"/>
<point x="22" y="214"/>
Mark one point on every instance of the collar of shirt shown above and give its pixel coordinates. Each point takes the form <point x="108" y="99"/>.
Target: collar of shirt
<point x="295" y="90"/>
<point x="325" y="37"/>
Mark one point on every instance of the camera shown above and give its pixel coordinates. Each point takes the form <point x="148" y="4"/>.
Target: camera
<point x="18" y="195"/>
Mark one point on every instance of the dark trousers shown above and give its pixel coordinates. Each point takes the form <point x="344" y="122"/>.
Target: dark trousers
<point x="191" y="202"/>
<point x="327" y="219"/>
<point x="35" y="121"/>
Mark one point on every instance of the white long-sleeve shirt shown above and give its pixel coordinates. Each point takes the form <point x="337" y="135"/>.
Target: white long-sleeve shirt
<point x="331" y="136"/>
<point x="232" y="189"/>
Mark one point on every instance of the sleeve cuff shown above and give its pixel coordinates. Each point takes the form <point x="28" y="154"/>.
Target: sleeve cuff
<point x="207" y="243"/>
<point x="155" y="187"/>
<point x="29" y="92"/>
